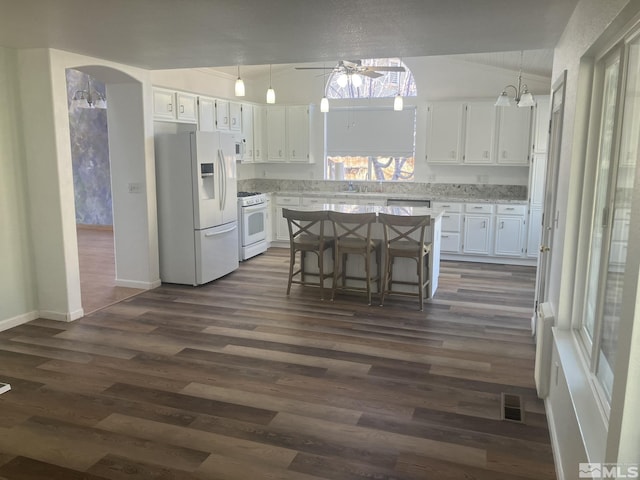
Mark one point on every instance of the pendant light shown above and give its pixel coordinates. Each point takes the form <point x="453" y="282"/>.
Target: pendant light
<point x="239" y="85"/>
<point x="398" y="103"/>
<point x="522" y="98"/>
<point x="271" y="94"/>
<point x="324" y="103"/>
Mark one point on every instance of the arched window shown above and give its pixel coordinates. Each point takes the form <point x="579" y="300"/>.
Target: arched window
<point x="388" y="84"/>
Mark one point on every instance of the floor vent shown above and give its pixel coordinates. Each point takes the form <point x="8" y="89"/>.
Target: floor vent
<point x="512" y="408"/>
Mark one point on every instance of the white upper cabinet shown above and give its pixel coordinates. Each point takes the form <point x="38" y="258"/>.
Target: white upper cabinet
<point x="206" y="114"/>
<point x="235" y="117"/>
<point x="222" y="115"/>
<point x="247" y="133"/>
<point x="258" y="134"/>
<point x="276" y="133"/>
<point x="479" y="132"/>
<point x="174" y="106"/>
<point x="514" y="127"/>
<point x="444" y="132"/>
<point x="298" y="133"/>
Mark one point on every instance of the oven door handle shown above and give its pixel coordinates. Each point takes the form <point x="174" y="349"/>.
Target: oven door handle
<point x="254" y="208"/>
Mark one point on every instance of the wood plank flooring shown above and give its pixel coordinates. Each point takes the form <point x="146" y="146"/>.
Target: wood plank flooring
<point x="97" y="269"/>
<point x="235" y="380"/>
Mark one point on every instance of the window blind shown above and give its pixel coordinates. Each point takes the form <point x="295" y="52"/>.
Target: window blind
<point x="364" y="131"/>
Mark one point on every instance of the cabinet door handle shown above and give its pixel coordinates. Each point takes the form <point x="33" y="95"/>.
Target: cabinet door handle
<point x="169" y="107"/>
<point x="504" y="154"/>
<point x="453" y="154"/>
<point x="477" y="208"/>
<point x="226" y="120"/>
<point x="445" y="236"/>
<point x="181" y="108"/>
<point x="446" y="206"/>
<point x="279" y="153"/>
<point x="293" y="153"/>
<point x="509" y="208"/>
<point x="233" y="121"/>
<point x="501" y="225"/>
<point x="484" y="224"/>
<point x="446" y="216"/>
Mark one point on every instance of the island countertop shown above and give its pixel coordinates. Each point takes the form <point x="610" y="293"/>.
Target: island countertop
<point x="390" y="210"/>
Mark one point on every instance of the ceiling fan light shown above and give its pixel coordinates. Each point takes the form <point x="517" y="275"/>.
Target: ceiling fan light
<point x="356" y="80"/>
<point x="239" y="88"/>
<point x="526" y="100"/>
<point x="398" y="103"/>
<point x="342" y="80"/>
<point x="503" y="100"/>
<point x="271" y="95"/>
<point x="324" y="105"/>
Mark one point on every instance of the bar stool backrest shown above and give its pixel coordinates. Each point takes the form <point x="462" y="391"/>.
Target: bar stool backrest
<point x="400" y="228"/>
<point x="305" y="224"/>
<point x="352" y="226"/>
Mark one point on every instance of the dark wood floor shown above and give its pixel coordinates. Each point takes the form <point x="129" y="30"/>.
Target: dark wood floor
<point x="234" y="380"/>
<point x="97" y="269"/>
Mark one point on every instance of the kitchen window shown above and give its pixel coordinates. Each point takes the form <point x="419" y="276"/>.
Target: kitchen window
<point x="370" y="143"/>
<point x="617" y="81"/>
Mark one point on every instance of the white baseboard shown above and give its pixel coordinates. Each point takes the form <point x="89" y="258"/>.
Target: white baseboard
<point x="138" y="284"/>
<point x="8" y="323"/>
<point x="60" y="316"/>
<point x="555" y="448"/>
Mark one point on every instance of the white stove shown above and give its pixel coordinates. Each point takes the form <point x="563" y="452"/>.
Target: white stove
<point x="252" y="222"/>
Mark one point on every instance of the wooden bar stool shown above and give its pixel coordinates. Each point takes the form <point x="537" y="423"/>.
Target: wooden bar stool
<point x="404" y="236"/>
<point x="307" y="235"/>
<point x="352" y="233"/>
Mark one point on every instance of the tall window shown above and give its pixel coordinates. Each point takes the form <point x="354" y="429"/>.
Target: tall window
<point x="371" y="143"/>
<point x="612" y="193"/>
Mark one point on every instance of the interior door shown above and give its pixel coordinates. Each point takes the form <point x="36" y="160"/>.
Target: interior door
<point x="549" y="215"/>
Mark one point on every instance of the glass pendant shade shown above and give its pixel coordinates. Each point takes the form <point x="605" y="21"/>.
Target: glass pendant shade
<point x="271" y="95"/>
<point x="101" y="103"/>
<point x="503" y="100"/>
<point x="398" y="103"/>
<point x="526" y="100"/>
<point x="239" y="88"/>
<point x="324" y="105"/>
<point x="342" y="81"/>
<point x="356" y="80"/>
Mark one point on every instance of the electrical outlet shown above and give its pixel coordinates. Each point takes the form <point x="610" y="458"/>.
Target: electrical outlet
<point x="134" y="187"/>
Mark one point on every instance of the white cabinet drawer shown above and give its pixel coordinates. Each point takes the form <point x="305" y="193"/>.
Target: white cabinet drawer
<point x="451" y="222"/>
<point x="511" y="209"/>
<point x="314" y="201"/>
<point x="447" y="206"/>
<point x="287" y="200"/>
<point x="450" y="242"/>
<point x="478" y="208"/>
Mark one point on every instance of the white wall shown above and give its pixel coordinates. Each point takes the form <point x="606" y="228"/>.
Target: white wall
<point x="18" y="301"/>
<point x="437" y="78"/>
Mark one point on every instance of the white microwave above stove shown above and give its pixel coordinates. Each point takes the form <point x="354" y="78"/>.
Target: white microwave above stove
<point x="240" y="146"/>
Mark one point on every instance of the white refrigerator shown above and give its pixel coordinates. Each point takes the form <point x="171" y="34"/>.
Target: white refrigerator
<point x="197" y="206"/>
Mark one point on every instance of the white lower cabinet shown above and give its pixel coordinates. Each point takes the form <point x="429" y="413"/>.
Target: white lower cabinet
<point x="477" y="228"/>
<point x="510" y="229"/>
<point x="282" y="229"/>
<point x="451" y="226"/>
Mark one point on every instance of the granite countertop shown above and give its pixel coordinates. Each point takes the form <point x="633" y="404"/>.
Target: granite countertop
<point x="403" y="211"/>
<point x="404" y="196"/>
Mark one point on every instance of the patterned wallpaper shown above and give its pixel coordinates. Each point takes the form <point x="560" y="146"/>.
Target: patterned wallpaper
<point x="89" y="155"/>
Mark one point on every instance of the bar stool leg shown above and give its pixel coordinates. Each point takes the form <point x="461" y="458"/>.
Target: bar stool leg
<point x="320" y="269"/>
<point x="292" y="261"/>
<point x="367" y="274"/>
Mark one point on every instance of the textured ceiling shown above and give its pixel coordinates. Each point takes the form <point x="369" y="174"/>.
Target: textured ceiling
<point x="159" y="34"/>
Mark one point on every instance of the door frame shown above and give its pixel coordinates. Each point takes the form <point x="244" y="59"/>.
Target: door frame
<point x="549" y="213"/>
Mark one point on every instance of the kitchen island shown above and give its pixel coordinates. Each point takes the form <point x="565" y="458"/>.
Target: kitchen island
<point x="404" y="269"/>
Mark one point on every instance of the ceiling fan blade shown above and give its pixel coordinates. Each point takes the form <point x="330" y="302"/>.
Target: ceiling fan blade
<point x="313" y="68"/>
<point x="370" y="74"/>
<point x="385" y="69"/>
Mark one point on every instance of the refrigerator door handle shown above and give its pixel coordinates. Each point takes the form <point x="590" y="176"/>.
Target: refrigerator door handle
<point x="223" y="181"/>
<point x="221" y="231"/>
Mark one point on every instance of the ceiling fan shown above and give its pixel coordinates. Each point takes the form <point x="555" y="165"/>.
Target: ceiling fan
<point x="351" y="67"/>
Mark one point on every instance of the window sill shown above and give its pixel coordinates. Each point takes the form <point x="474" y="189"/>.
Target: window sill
<point x="590" y="415"/>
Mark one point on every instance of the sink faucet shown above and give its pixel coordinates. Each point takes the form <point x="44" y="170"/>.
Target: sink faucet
<point x="351" y="188"/>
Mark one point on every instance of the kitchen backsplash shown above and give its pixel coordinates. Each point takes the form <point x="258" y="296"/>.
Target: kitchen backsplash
<point x="432" y="191"/>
